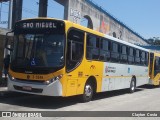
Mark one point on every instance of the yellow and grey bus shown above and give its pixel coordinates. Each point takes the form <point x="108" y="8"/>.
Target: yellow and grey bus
<point x="59" y="58"/>
<point x="154" y="68"/>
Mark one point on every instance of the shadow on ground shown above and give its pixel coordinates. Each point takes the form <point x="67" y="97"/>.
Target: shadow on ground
<point x="149" y="86"/>
<point x="46" y="102"/>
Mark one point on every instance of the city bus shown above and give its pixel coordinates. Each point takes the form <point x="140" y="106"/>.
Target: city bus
<point x="54" y="57"/>
<point x="154" y="68"/>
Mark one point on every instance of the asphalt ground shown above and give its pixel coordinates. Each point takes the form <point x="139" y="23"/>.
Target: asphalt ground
<point x="145" y="98"/>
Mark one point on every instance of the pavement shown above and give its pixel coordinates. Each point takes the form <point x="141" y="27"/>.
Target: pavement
<point x="3" y="89"/>
<point x="146" y="98"/>
<point x="3" y="85"/>
<point x="4" y="93"/>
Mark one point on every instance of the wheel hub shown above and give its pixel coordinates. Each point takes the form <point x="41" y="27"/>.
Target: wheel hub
<point x="133" y="85"/>
<point x="88" y="91"/>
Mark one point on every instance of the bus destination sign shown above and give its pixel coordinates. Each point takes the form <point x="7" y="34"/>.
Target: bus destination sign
<point x="39" y="26"/>
<point x="31" y="25"/>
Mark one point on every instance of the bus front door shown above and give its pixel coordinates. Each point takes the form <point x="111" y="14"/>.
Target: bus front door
<point x="151" y="65"/>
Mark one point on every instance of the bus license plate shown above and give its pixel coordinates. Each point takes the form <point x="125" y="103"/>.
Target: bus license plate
<point x="28" y="88"/>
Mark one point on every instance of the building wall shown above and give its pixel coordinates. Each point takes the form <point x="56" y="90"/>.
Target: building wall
<point x="75" y="10"/>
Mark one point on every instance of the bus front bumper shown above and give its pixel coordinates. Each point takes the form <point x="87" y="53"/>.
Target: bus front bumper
<point x="52" y="89"/>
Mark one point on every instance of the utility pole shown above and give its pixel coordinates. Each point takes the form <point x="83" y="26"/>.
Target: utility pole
<point x="16" y="11"/>
<point x="0" y="12"/>
<point x="10" y="14"/>
<point x="43" y="8"/>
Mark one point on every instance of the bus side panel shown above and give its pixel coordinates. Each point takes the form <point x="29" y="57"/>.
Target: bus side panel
<point x="72" y="80"/>
<point x="81" y="74"/>
<point x="94" y="69"/>
<point x="156" y="80"/>
<point x="77" y="78"/>
<point x="118" y="76"/>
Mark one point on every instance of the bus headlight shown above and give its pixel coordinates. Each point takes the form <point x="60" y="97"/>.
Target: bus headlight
<point x="11" y="78"/>
<point x="58" y="77"/>
<point x="53" y="80"/>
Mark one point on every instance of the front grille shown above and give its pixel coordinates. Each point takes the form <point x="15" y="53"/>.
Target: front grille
<point x="30" y="81"/>
<point x="35" y="90"/>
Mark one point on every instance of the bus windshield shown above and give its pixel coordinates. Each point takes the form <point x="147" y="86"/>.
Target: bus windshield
<point x="38" y="50"/>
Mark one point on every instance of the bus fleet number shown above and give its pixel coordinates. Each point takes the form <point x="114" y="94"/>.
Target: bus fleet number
<point x="39" y="77"/>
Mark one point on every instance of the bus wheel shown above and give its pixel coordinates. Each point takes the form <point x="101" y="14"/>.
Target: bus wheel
<point x="132" y="85"/>
<point x="88" y="92"/>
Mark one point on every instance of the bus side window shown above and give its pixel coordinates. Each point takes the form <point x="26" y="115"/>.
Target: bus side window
<point x="137" y="57"/>
<point x="123" y="55"/>
<point x="92" y="47"/>
<point x="115" y="52"/>
<point x="143" y="58"/>
<point x="104" y="49"/>
<point x="157" y="63"/>
<point x="131" y="55"/>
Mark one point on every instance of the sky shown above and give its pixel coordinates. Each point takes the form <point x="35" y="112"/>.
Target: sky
<point x="143" y="16"/>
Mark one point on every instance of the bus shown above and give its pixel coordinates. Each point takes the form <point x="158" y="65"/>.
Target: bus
<point x="54" y="57"/>
<point x="154" y="68"/>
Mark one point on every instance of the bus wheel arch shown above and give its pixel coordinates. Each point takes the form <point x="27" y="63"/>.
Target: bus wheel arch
<point x="93" y="81"/>
<point x="89" y="89"/>
<point x="132" y="84"/>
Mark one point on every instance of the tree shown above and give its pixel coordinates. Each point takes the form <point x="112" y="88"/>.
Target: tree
<point x="154" y="41"/>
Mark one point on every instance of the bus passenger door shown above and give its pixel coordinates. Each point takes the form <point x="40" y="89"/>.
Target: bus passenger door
<point x="74" y="59"/>
<point x="157" y="68"/>
<point x="151" y="65"/>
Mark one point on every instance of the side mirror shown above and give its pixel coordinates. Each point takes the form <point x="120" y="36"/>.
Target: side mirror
<point x="6" y="41"/>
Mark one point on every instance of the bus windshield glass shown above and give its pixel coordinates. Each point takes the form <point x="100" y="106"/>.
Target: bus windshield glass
<point x="38" y="50"/>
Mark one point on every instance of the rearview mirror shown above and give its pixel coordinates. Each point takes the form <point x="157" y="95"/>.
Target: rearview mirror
<point x="6" y="41"/>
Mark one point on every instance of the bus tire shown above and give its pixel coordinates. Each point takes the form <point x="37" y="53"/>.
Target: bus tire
<point x="88" y="92"/>
<point x="132" y="85"/>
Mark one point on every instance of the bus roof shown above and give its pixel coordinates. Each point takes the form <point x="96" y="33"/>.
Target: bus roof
<point x="106" y="36"/>
<point x="126" y="43"/>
